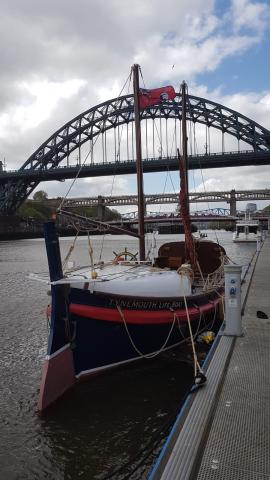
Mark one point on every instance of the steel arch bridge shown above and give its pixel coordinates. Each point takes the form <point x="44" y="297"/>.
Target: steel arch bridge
<point x="15" y="187"/>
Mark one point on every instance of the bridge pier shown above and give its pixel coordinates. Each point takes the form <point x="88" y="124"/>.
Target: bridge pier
<point x="232" y="202"/>
<point x="101" y="208"/>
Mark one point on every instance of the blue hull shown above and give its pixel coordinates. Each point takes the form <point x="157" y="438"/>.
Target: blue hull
<point x="100" y="344"/>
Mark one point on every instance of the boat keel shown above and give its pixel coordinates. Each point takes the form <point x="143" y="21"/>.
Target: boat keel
<point x="58" y="376"/>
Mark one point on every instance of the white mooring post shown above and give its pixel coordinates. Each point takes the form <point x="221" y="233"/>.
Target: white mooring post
<point x="233" y="318"/>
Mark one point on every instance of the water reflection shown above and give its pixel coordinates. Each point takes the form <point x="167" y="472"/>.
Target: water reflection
<point x="101" y="424"/>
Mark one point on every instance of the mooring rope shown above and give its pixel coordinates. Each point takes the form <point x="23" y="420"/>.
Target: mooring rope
<point x="198" y="372"/>
<point x="214" y="318"/>
<point x="198" y="327"/>
<point x="149" y="355"/>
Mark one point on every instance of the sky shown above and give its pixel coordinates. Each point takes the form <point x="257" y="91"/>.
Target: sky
<point x="60" y="58"/>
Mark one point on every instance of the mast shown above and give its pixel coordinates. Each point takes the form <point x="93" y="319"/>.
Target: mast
<point x="183" y="196"/>
<point x="135" y="70"/>
<point x="184" y="137"/>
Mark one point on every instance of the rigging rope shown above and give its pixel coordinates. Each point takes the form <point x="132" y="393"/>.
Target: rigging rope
<point x="71" y="248"/>
<point x="89" y="153"/>
<point x="113" y="179"/>
<point x="203" y="182"/>
<point x="90" y="251"/>
<point x="193" y="171"/>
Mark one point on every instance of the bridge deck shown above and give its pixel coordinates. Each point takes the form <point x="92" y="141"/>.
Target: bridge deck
<point x="225" y="434"/>
<point x="124" y="167"/>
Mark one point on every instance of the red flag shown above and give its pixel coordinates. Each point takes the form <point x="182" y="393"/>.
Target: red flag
<point x="157" y="95"/>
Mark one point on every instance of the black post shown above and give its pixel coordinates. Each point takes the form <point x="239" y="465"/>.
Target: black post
<point x="53" y="251"/>
<point x="135" y="70"/>
<point x="57" y="336"/>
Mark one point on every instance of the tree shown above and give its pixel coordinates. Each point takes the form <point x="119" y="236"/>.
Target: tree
<point x="111" y="214"/>
<point x="38" y="210"/>
<point x="40" y="196"/>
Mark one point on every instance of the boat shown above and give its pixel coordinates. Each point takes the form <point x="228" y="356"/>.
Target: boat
<point x="113" y="313"/>
<point x="247" y="231"/>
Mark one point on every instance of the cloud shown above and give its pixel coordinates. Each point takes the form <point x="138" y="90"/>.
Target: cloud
<point x="249" y="15"/>
<point x="87" y="187"/>
<point x="253" y="105"/>
<point x="97" y="42"/>
<point x="243" y="178"/>
<point x="43" y="98"/>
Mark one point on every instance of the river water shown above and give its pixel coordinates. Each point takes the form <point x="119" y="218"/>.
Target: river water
<point x="101" y="424"/>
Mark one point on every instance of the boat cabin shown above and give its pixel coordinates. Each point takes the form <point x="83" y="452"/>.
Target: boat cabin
<point x="246" y="231"/>
<point x="173" y="254"/>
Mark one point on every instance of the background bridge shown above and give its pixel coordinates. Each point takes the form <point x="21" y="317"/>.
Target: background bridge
<point x="230" y="197"/>
<point x="101" y="141"/>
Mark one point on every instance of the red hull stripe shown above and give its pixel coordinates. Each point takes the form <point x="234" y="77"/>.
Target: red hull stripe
<point x="140" y="317"/>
